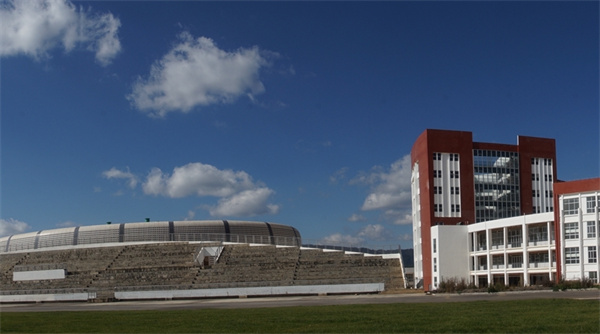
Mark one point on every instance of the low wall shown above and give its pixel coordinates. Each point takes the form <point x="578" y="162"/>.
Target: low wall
<point x="253" y="291"/>
<point x="202" y="293"/>
<point x="36" y="275"/>
<point x="50" y="297"/>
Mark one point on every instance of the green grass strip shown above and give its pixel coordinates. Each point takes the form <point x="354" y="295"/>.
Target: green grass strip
<point x="527" y="316"/>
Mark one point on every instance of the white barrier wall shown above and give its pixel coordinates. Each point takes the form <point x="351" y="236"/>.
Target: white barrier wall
<point x="37" y="275"/>
<point x="252" y="291"/>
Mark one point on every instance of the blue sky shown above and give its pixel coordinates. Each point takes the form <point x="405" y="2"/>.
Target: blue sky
<point x="296" y="113"/>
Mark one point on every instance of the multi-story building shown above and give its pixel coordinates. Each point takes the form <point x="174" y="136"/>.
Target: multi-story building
<point x="519" y="250"/>
<point x="456" y="181"/>
<point x="577" y="233"/>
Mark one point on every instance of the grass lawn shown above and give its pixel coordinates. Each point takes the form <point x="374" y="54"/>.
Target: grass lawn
<point x="528" y="316"/>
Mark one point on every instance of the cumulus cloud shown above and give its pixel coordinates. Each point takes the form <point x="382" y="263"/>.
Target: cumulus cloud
<point x="115" y="173"/>
<point x="373" y="232"/>
<point x="246" y="203"/>
<point x="12" y="226"/>
<point x="33" y="28"/>
<point x="238" y="194"/>
<point x="390" y="190"/>
<point x="197" y="179"/>
<point x="368" y="234"/>
<point x="195" y="72"/>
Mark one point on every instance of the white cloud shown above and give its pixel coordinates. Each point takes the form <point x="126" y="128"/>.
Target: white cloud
<point x="239" y="194"/>
<point x="197" y="179"/>
<point x="368" y="234"/>
<point x="67" y="224"/>
<point x="33" y="28"/>
<point x="390" y="190"/>
<point x="356" y="218"/>
<point x="197" y="73"/>
<point x="342" y="239"/>
<point x="246" y="203"/>
<point x="12" y="226"/>
<point x="373" y="232"/>
<point x="338" y="175"/>
<point x="114" y="173"/>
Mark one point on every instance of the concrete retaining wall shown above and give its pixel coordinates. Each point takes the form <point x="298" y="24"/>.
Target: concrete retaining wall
<point x="58" y="297"/>
<point x="253" y="291"/>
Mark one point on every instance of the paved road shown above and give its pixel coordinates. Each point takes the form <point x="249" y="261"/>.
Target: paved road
<point x="294" y="301"/>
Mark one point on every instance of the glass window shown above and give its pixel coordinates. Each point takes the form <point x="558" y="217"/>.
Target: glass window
<point x="497" y="237"/>
<point x="571" y="206"/>
<point x="515" y="261"/>
<point x="572" y="255"/>
<point x="481" y="241"/>
<point x="434" y="245"/>
<point x="514" y="237"/>
<point x="593" y="275"/>
<point x="591" y="229"/>
<point x="496" y="183"/>
<point x="538" y="233"/>
<point x="592" y="255"/>
<point x="571" y="231"/>
<point x="590" y="204"/>
<point x="538" y="257"/>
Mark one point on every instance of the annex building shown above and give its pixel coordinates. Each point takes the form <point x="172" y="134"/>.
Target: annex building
<point x="495" y="213"/>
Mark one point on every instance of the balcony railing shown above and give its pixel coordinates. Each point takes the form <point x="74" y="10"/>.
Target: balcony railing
<point x="538" y="243"/>
<point x="539" y="264"/>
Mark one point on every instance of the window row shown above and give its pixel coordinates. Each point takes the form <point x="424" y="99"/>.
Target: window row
<point x="572" y="255"/>
<point x="572" y="230"/>
<point x="571" y="205"/>
<point x="438" y="156"/>
<point x="536" y="193"/>
<point x="536" y="161"/>
<point x="438" y="174"/>
<point x="536" y="177"/>
<point x="538" y="209"/>
<point x="437" y="190"/>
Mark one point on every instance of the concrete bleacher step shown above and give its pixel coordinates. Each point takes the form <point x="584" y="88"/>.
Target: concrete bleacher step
<point x="172" y="264"/>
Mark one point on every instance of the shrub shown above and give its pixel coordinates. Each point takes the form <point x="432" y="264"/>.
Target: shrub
<point x="452" y="285"/>
<point x="497" y="287"/>
<point x="562" y="285"/>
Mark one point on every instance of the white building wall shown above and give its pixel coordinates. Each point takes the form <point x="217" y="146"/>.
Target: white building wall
<point x="446" y="184"/>
<point x="449" y="253"/>
<point x="584" y="241"/>
<point x="416" y="220"/>
<point x="541" y="184"/>
<point x="468" y="251"/>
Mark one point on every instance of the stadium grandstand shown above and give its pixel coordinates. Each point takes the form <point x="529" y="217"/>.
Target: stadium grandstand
<point x="183" y="259"/>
